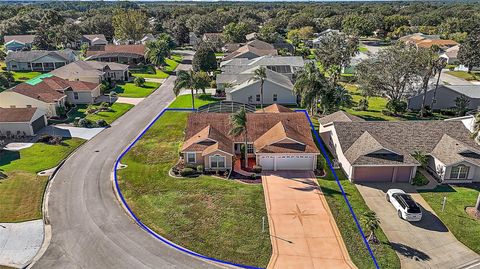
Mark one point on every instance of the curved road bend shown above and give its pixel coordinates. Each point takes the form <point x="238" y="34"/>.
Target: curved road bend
<point x="89" y="227"/>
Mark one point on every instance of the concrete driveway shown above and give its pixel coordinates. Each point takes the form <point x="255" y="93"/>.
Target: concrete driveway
<point x="303" y="231"/>
<point x="424" y="244"/>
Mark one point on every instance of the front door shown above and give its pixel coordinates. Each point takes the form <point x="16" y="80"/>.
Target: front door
<point x="238" y="148"/>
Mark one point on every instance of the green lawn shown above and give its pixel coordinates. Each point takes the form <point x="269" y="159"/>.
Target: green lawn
<point x="171" y="65"/>
<point x="185" y="101"/>
<point x="131" y="90"/>
<point x="25" y="75"/>
<point x="22" y="191"/>
<point x="465" y="75"/>
<point x="118" y="109"/>
<point x="465" y="228"/>
<point x="144" y="74"/>
<point x="375" y="106"/>
<point x="363" y="49"/>
<point x="215" y="217"/>
<point x="385" y="255"/>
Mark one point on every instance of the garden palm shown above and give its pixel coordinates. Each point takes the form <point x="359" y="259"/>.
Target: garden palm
<point x="309" y="86"/>
<point x="239" y="127"/>
<point x="260" y="74"/>
<point x="184" y="80"/>
<point x="370" y="222"/>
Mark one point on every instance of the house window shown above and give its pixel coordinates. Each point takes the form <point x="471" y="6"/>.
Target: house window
<point x="217" y="161"/>
<point x="191" y="157"/>
<point x="258" y="97"/>
<point x="459" y="172"/>
<point x="275" y="97"/>
<point x="75" y="95"/>
<point x="13" y="106"/>
<point x="250" y="148"/>
<point x="29" y="106"/>
<point x="250" y="99"/>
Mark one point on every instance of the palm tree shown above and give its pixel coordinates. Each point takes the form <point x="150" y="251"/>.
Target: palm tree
<point x="260" y="74"/>
<point x="441" y="63"/>
<point x="371" y="223"/>
<point x="309" y="85"/>
<point x="157" y="51"/>
<point x="239" y="127"/>
<point x="201" y="81"/>
<point x="185" y="80"/>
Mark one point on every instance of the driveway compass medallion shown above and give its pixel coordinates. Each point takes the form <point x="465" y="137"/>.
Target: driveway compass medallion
<point x="299" y="214"/>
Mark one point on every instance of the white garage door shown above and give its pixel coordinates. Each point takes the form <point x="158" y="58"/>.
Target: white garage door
<point x="267" y="162"/>
<point x="295" y="162"/>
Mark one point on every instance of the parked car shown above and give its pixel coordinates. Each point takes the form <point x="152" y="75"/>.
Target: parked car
<point x="406" y="207"/>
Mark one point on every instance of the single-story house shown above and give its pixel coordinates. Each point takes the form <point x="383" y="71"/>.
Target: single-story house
<point x="124" y="54"/>
<point x="18" y="42"/>
<point x="77" y="92"/>
<point x="39" y="60"/>
<point x="277" y="139"/>
<point x="451" y="55"/>
<point x="316" y="42"/>
<point x="252" y="49"/>
<point x="286" y="65"/>
<point x="212" y="37"/>
<point x="94" y="40"/>
<point x="421" y="40"/>
<point x="21" y="121"/>
<point x="147" y="38"/>
<point x="446" y="95"/>
<point x="383" y="151"/>
<point x="93" y="71"/>
<point x="41" y="96"/>
<point x="242" y="88"/>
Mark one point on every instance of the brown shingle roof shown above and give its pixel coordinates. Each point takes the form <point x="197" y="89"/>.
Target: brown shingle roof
<point x="26" y="39"/>
<point x="17" y="114"/>
<point x="295" y="126"/>
<point x="339" y="116"/>
<point x="403" y="137"/>
<point x="275" y="108"/>
<point x="41" y="91"/>
<point x="138" y="49"/>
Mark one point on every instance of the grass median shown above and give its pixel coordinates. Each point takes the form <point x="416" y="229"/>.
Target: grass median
<point x="214" y="217"/>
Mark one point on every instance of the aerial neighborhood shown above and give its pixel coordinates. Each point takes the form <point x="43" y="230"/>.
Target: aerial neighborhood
<point x="240" y="135"/>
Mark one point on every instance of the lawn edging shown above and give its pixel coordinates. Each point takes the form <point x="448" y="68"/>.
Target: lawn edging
<point x="126" y="207"/>
<point x="322" y="148"/>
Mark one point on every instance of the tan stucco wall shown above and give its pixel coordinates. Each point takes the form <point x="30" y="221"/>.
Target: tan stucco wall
<point x="8" y="99"/>
<point x="228" y="159"/>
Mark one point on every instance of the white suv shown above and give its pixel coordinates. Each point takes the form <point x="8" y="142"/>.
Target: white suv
<point x="406" y="207"/>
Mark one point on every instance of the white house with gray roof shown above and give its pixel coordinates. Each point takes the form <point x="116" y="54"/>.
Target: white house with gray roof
<point x="446" y="95"/>
<point x="383" y="151"/>
<point x="243" y="88"/>
<point x="93" y="71"/>
<point x="38" y="60"/>
<point x="286" y="65"/>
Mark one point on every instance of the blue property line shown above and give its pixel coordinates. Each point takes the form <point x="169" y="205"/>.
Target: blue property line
<point x="143" y="226"/>
<point x="340" y="186"/>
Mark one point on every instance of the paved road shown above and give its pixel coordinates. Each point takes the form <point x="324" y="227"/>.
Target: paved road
<point x="423" y="244"/>
<point x="452" y="80"/>
<point x="89" y="227"/>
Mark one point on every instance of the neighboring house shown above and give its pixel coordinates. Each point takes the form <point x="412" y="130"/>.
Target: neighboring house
<point x="242" y="88"/>
<point x="252" y="49"/>
<point x="18" y="42"/>
<point x="124" y="54"/>
<point x="21" y="121"/>
<point x="93" y="71"/>
<point x="446" y="95"/>
<point x="427" y="41"/>
<point x="77" y="92"/>
<point x="316" y="42"/>
<point x="383" y="151"/>
<point x="286" y="65"/>
<point x="278" y="139"/>
<point x="94" y="40"/>
<point x="193" y="39"/>
<point x="251" y="36"/>
<point x="451" y="55"/>
<point x="281" y="44"/>
<point x="147" y="38"/>
<point x="41" y="95"/>
<point x="39" y="60"/>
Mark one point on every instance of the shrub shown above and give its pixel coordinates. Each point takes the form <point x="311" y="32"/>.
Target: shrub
<point x="191" y="166"/>
<point x="257" y="169"/>
<point x="101" y="123"/>
<point x="139" y="81"/>
<point x="321" y="163"/>
<point x="253" y="176"/>
<point x="397" y="106"/>
<point x="387" y="112"/>
<point x="419" y="180"/>
<point x="185" y="172"/>
<point x="104" y="104"/>
<point x="50" y="139"/>
<point x="151" y="69"/>
<point x="84" y="123"/>
<point x="91" y="109"/>
<point x="362" y="105"/>
<point x="200" y="168"/>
